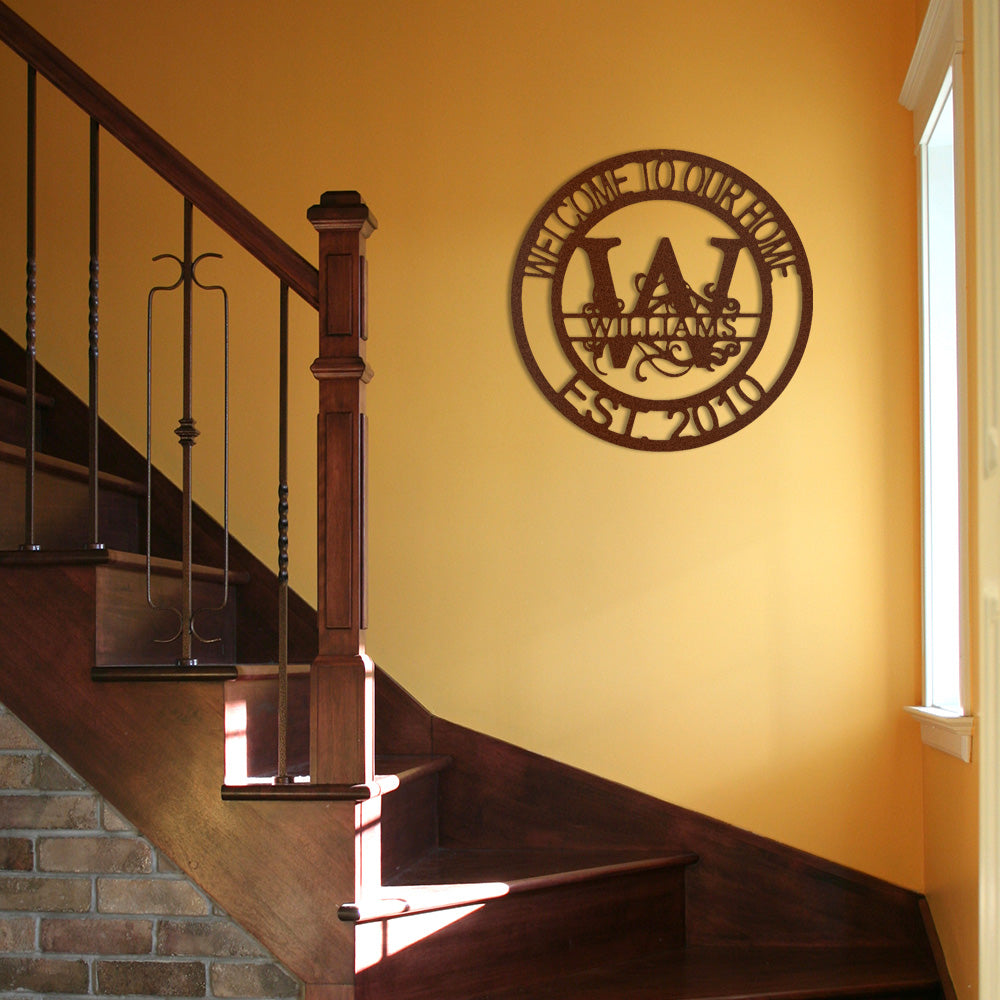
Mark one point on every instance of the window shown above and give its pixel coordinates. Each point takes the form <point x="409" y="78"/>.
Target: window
<point x="941" y="432"/>
<point x="932" y="91"/>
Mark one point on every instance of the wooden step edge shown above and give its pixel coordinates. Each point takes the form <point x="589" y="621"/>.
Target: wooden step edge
<point x="300" y="791"/>
<point x="55" y="557"/>
<point x="128" y="561"/>
<point x="17" y="392"/>
<point x="15" y="455"/>
<point x="410" y="769"/>
<point x="164" y="672"/>
<point x="405" y="900"/>
<point x="136" y="562"/>
<point x="535" y="883"/>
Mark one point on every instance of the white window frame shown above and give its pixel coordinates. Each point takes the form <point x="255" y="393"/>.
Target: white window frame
<point x="936" y="67"/>
<point x="986" y="81"/>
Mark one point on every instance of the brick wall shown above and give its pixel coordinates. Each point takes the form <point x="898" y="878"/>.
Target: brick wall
<point x="88" y="907"/>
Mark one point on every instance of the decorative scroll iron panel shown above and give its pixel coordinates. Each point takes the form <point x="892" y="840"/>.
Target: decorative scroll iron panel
<point x="661" y="300"/>
<point x="187" y="433"/>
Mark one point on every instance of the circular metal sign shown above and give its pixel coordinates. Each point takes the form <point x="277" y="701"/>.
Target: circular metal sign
<point x="661" y="300"/>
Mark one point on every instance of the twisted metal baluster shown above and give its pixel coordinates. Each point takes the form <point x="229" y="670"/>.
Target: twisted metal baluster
<point x="93" y="435"/>
<point x="283" y="777"/>
<point x="29" y="543"/>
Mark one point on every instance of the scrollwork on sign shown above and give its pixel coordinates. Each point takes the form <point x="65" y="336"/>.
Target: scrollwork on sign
<point x="670" y="367"/>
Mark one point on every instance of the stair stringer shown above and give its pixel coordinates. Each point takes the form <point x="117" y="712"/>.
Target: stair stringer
<point x="155" y="752"/>
<point x="746" y="890"/>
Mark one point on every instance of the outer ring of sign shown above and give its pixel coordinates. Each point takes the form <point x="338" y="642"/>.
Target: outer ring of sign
<point x="641" y="156"/>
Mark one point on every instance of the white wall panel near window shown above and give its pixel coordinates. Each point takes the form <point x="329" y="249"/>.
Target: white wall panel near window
<point x="986" y="82"/>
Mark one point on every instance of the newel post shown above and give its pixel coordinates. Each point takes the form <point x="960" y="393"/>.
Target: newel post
<point x="342" y="680"/>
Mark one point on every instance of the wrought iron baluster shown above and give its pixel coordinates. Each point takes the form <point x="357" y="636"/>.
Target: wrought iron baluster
<point x="149" y="436"/>
<point x="30" y="334"/>
<point x="187" y="433"/>
<point x="95" y="135"/>
<point x="225" y="446"/>
<point x="283" y="777"/>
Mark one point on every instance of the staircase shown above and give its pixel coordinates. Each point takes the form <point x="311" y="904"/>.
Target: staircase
<point x="485" y="871"/>
<point x="416" y="859"/>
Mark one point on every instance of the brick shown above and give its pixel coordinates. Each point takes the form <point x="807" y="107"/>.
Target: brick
<point x="114" y="821"/>
<point x="14" y="735"/>
<point x="216" y="938"/>
<point x="17" y="770"/>
<point x="164" y="864"/>
<point x="17" y="934"/>
<point x="259" y="979"/>
<point x="67" y="895"/>
<point x="17" y="854"/>
<point x="48" y="812"/>
<point x="96" y="936"/>
<point x="46" y="975"/>
<point x="167" y="897"/>
<point x="125" y="855"/>
<point x="54" y="777"/>
<point x="160" y="979"/>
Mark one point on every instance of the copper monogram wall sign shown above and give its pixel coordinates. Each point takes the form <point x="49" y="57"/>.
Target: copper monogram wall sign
<point x="661" y="300"/>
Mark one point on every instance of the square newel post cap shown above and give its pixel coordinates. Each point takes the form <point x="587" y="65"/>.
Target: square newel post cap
<point x="342" y="209"/>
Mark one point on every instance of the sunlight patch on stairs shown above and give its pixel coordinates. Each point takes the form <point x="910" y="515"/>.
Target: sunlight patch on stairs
<point x="378" y="940"/>
<point x="236" y="742"/>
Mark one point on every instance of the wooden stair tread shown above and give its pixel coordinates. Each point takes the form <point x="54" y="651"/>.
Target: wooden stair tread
<point x="136" y="561"/>
<point x="453" y="878"/>
<point x="15" y="454"/>
<point x="409" y="767"/>
<point x="391" y="772"/>
<point x="130" y="561"/>
<point x="760" y="973"/>
<point x="449" y="865"/>
<point x="11" y="390"/>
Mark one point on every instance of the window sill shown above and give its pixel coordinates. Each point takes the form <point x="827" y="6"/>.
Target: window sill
<point x="946" y="731"/>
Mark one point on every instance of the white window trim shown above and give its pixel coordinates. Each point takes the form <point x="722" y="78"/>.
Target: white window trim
<point x="939" y="50"/>
<point x="986" y="83"/>
<point x="944" y="730"/>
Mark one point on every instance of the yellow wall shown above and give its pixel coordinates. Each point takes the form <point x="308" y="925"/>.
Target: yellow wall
<point x="951" y="793"/>
<point x="733" y="628"/>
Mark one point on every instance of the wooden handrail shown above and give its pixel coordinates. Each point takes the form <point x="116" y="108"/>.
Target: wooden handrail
<point x="175" y="168"/>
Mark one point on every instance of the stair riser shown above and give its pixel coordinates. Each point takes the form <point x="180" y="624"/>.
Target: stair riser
<point x="521" y="938"/>
<point x="254" y="701"/>
<point x="128" y="629"/>
<point x="409" y="823"/>
<point x="61" y="511"/>
<point x="14" y="423"/>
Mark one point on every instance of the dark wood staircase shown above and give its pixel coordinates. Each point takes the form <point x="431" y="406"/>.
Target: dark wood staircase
<point x="503" y="874"/>
<point x="487" y="871"/>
